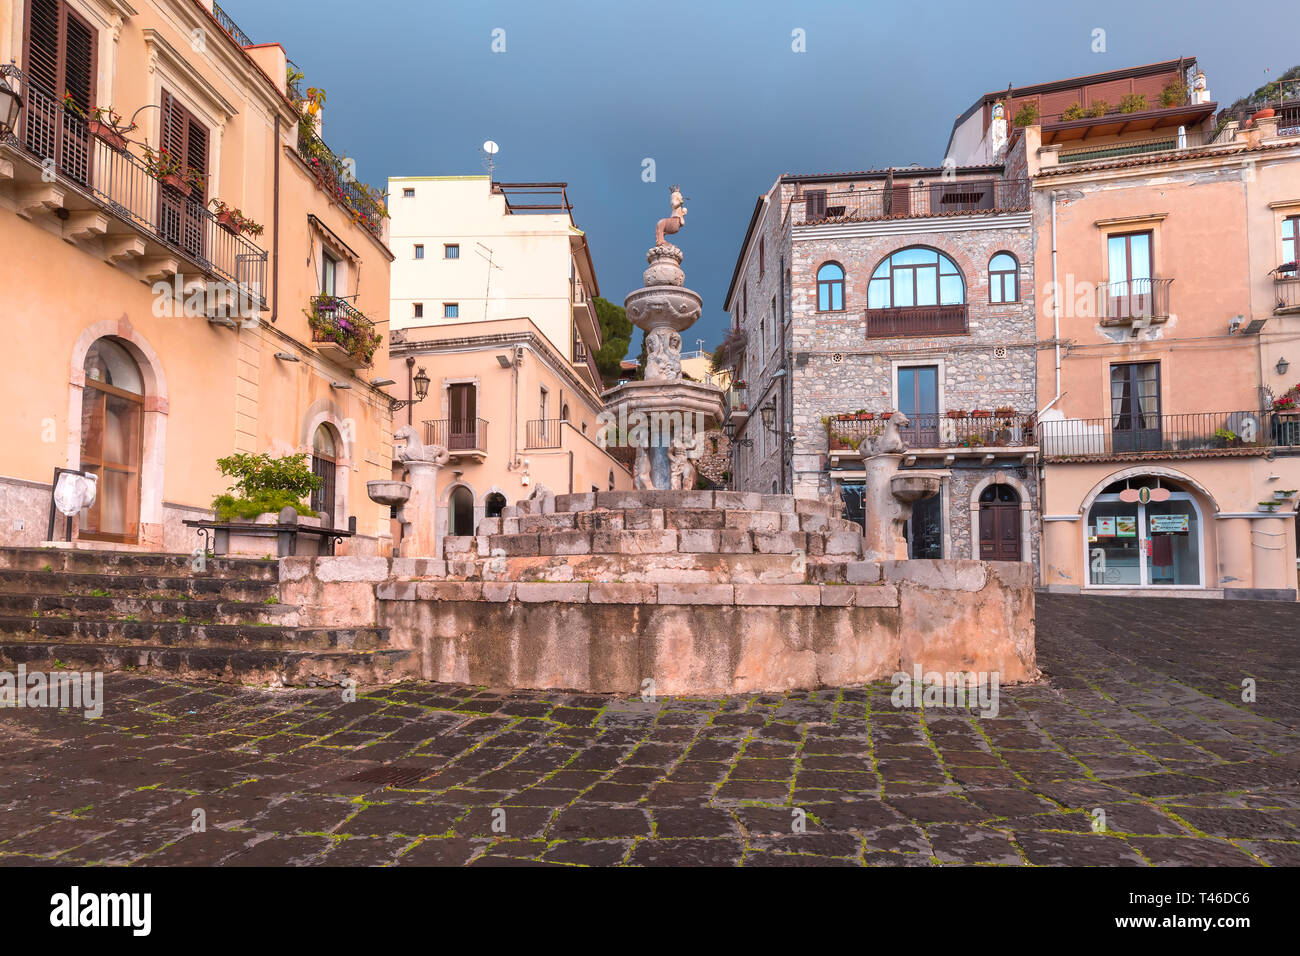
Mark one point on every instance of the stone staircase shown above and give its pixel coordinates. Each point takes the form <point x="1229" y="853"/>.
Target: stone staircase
<point x="124" y="610"/>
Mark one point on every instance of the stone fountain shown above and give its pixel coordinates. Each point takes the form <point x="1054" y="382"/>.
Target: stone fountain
<point x="418" y="498"/>
<point x="665" y="416"/>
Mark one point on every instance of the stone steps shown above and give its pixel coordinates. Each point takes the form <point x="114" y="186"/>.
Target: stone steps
<point x="146" y="610"/>
<point x="87" y="561"/>
<point x="105" y="610"/>
<point x="190" y="634"/>
<point x="169" y="587"/>
<point x="241" y="665"/>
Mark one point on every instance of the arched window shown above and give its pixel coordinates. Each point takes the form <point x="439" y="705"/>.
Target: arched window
<point x="1004" y="278"/>
<point x="830" y="288"/>
<point x="494" y="504"/>
<point x="324" y="462"/>
<point x="915" y="277"/>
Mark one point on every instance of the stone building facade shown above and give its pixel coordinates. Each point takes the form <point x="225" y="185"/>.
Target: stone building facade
<point x="945" y="332"/>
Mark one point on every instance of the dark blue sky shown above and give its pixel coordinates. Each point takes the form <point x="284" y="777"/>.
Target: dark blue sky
<point x="711" y="90"/>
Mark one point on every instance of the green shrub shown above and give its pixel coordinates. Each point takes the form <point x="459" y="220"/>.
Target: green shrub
<point x="1027" y="115"/>
<point x="1073" y="112"/>
<point x="1133" y="103"/>
<point x="1173" y="94"/>
<point x="1098" y="108"/>
<point x="264" y="484"/>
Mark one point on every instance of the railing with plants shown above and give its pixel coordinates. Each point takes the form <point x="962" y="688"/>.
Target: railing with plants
<point x="152" y="191"/>
<point x="1027" y="112"/>
<point x="978" y="428"/>
<point x="333" y="319"/>
<point x="1286" y="288"/>
<point x="1152" y="435"/>
<point x="738" y="398"/>
<point x="940" y="197"/>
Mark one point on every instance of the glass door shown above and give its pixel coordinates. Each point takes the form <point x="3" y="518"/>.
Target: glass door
<point x="918" y="399"/>
<point x="111" y="449"/>
<point x="1130" y="263"/>
<point x="1144" y="543"/>
<point x="1135" y="407"/>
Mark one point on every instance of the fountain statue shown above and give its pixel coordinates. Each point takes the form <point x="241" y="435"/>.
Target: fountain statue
<point x="417" y="499"/>
<point x="663" y="416"/>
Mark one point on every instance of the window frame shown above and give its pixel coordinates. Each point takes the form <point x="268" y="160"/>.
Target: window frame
<point x="418" y="311"/>
<point x="447" y="247"/>
<point x="1294" y="239"/>
<point x="914" y="269"/>
<point x="451" y="310"/>
<point x="830" y="284"/>
<point x="419" y="250"/>
<point x="1002" y="274"/>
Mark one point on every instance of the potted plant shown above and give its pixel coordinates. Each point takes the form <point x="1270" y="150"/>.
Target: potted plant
<point x="1098" y="108"/>
<point x="956" y="413"/>
<point x="981" y="413"/>
<point x="167" y="169"/>
<point x="356" y="339"/>
<point x="1269" y="506"/>
<point x="1173" y="94"/>
<point x="1133" y="103"/>
<point x="1004" y="411"/>
<point x="740" y="385"/>
<point x="262" y="488"/>
<point x="1283" y="495"/>
<point x="1027" y="115"/>
<point x="106" y="124"/>
<point x="863" y="415"/>
<point x="1286" y="405"/>
<point x="233" y="220"/>
<point x="1073" y="112"/>
<point x="1225" y="437"/>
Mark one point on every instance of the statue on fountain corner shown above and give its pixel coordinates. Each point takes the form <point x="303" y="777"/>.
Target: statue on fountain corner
<point x="675" y="221"/>
<point x="416" y="450"/>
<point x="890" y="442"/>
<point x="683" y="452"/>
<point x="663" y="355"/>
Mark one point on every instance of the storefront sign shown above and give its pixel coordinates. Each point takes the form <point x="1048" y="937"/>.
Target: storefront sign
<point x="1168" y="524"/>
<point x="1105" y="526"/>
<point x="1126" y="526"/>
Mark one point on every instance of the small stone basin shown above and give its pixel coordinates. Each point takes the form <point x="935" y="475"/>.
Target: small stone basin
<point x="910" y="488"/>
<point x="388" y="492"/>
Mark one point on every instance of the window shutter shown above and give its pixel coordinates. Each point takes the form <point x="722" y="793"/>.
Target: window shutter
<point x="900" y="203"/>
<point x="816" y="204"/>
<point x="78" y="61"/>
<point x="42" y="59"/>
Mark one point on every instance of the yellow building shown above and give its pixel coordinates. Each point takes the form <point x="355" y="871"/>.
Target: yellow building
<point x="157" y="288"/>
<point x="492" y="294"/>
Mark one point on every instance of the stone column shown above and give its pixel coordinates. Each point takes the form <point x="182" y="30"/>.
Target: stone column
<point x="884" y="514"/>
<point x="420" y="513"/>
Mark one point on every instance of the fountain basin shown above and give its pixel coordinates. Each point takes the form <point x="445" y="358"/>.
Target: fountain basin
<point x="663" y="306"/>
<point x="913" y="488"/>
<point x="387" y="492"/>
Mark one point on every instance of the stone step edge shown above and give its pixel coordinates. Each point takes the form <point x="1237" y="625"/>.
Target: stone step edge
<point x="739" y="595"/>
<point x="268" y="632"/>
<point x="211" y="605"/>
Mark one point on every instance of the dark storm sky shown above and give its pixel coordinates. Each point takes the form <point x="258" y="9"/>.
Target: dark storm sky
<point x="711" y="90"/>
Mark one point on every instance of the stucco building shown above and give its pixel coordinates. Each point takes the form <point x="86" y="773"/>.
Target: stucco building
<point x="905" y="288"/>
<point x="155" y="335"/>
<point x="492" y="298"/>
<point x="1165" y="247"/>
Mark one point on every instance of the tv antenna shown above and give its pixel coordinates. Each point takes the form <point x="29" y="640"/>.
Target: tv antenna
<point x="487" y="292"/>
<point x="490" y="149"/>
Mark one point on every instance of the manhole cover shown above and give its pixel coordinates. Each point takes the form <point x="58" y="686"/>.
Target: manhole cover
<point x="391" y="776"/>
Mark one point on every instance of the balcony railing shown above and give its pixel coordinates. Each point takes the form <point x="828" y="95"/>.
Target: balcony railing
<point x="230" y="26"/>
<point x="1121" y="303"/>
<point x="337" y="180"/>
<point x="737" y="401"/>
<point x="983" y="431"/>
<point x="1127" y="148"/>
<point x="343" y="332"/>
<point x="1135" y="434"/>
<point x="916" y="321"/>
<point x="940" y="198"/>
<point x="543" y="433"/>
<point x="457" y="435"/>
<point x="1286" y="293"/>
<point x="121" y="184"/>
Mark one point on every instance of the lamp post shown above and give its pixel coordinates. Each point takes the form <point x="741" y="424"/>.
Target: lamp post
<point x="11" y="104"/>
<point x="420" y="386"/>
<point x="1282" y="365"/>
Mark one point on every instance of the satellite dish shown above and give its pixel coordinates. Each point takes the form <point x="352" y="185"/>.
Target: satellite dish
<point x="490" y="147"/>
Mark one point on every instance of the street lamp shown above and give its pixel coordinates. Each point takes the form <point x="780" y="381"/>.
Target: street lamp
<point x="729" y="429"/>
<point x="768" y="412"/>
<point x="11" y="105"/>
<point x="1282" y="365"/>
<point x="421" y="384"/>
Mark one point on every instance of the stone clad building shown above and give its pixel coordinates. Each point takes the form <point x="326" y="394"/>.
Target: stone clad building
<point x="910" y="289"/>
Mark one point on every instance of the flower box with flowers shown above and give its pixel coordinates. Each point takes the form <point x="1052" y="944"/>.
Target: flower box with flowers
<point x="344" y="334"/>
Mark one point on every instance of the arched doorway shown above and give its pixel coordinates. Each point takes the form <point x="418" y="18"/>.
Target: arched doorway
<point x="324" y="464"/>
<point x="1145" y="531"/>
<point x="494" y="504"/>
<point x="999" y="523"/>
<point x="460" y="511"/>
<point x="112" y="441"/>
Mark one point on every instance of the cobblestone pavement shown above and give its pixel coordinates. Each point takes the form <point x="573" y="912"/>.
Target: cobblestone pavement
<point x="1140" y="717"/>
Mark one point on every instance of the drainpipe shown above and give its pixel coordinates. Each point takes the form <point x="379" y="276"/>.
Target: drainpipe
<point x="1056" y="315"/>
<point x="275" y="225"/>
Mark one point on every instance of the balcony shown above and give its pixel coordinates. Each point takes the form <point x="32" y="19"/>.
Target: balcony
<point x="917" y="321"/>
<point x="1193" y="435"/>
<point x="1286" y="291"/>
<point x="585" y="361"/>
<point x="543" y="433"/>
<point x="462" y="437"/>
<point x="981" y="434"/>
<point x="1136" y="302"/>
<point x="943" y="198"/>
<point x="108" y="194"/>
<point x="341" y="333"/>
<point x="737" y="405"/>
<point x="335" y="178"/>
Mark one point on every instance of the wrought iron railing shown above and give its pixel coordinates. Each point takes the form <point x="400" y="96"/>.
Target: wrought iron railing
<point x="1120" y="303"/>
<point x="1286" y="292"/>
<point x="543" y="433"/>
<point x="123" y="185"/>
<point x="940" y="197"/>
<point x="1135" y="433"/>
<point x="737" y="400"/>
<point x="338" y="180"/>
<point x="334" y="319"/>
<point x="978" y="429"/>
<point x="457" y="434"/>
<point x="916" y="321"/>
<point x="230" y="26"/>
<point x="1128" y="148"/>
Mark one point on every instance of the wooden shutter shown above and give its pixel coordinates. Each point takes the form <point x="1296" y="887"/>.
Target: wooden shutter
<point x="816" y="204"/>
<point x="59" y="56"/>
<point x="900" y="200"/>
<point x="186" y="139"/>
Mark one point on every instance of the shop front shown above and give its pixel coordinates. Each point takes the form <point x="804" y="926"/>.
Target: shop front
<point x="1143" y="533"/>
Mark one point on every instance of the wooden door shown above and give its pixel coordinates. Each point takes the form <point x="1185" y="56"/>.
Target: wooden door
<point x="112" y="447"/>
<point x="999" y="526"/>
<point x="463" y="415"/>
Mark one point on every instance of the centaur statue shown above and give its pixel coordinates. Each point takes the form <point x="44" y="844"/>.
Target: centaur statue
<point x="675" y="221"/>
